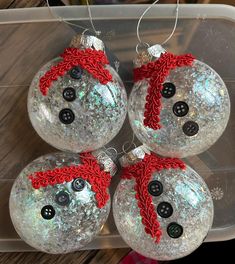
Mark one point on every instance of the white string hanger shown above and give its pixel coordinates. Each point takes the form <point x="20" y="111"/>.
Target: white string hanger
<point x="145" y="44"/>
<point x="61" y="19"/>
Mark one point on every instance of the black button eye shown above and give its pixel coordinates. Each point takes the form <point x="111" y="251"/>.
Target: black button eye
<point x="174" y="230"/>
<point x="165" y="209"/>
<point x="155" y="188"/>
<point x="75" y="72"/>
<point x="66" y="116"/>
<point x="180" y="109"/>
<point x="69" y="94"/>
<point x="168" y="90"/>
<point x="62" y="198"/>
<point x="48" y="212"/>
<point x="190" y="128"/>
<point x="78" y="185"/>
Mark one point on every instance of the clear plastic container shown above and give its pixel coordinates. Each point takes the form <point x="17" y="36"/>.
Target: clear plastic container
<point x="31" y="37"/>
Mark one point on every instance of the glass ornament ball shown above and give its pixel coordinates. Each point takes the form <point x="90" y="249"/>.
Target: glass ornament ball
<point x="78" y="114"/>
<point x="56" y="219"/>
<point x="195" y="109"/>
<point x="184" y="210"/>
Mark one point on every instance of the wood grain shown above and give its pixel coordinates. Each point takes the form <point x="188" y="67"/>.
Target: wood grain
<point x="108" y="256"/>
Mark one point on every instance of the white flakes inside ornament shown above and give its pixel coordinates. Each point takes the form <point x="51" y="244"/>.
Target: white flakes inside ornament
<point x="56" y="219"/>
<point x="78" y="113"/>
<point x="184" y="210"/>
<point x="195" y="109"/>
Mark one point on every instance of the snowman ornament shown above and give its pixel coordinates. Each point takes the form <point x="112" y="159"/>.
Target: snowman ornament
<point x="60" y="201"/>
<point x="179" y="106"/>
<point x="162" y="208"/>
<point x="77" y="102"/>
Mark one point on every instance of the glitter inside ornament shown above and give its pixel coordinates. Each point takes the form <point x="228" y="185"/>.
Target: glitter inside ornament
<point x="77" y="102"/>
<point x="189" y="107"/>
<point x="55" y="203"/>
<point x="182" y="208"/>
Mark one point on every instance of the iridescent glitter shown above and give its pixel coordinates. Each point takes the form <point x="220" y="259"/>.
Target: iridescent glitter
<point x="192" y="207"/>
<point x="74" y="225"/>
<point x="99" y="110"/>
<point x="209" y="107"/>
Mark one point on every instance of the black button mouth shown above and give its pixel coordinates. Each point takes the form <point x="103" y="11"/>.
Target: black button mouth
<point x="165" y="209"/>
<point x="155" y="188"/>
<point x="174" y="230"/>
<point x="168" y="90"/>
<point x="78" y="185"/>
<point x="180" y="109"/>
<point x="190" y="128"/>
<point x="69" y="94"/>
<point x="48" y="212"/>
<point x="66" y="116"/>
<point x="62" y="198"/>
<point x="75" y="72"/>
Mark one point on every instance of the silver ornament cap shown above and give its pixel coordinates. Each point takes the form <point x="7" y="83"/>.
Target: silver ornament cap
<point x="86" y="41"/>
<point x="134" y="156"/>
<point x="105" y="161"/>
<point x="156" y="51"/>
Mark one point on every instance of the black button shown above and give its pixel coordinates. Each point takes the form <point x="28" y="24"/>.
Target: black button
<point x="62" y="198"/>
<point x="78" y="184"/>
<point x="165" y="209"/>
<point x="180" y="109"/>
<point x="168" y="90"/>
<point x="190" y="128"/>
<point x="66" y="116"/>
<point x="48" y="212"/>
<point x="155" y="188"/>
<point x="69" y="94"/>
<point x="174" y="230"/>
<point x="75" y="72"/>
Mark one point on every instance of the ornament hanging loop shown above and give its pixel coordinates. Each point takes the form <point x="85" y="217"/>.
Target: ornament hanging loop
<point x="142" y="16"/>
<point x="61" y="19"/>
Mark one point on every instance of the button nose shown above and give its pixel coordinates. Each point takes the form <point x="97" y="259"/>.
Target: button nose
<point x="165" y="209"/>
<point x="180" y="108"/>
<point x="155" y="188"/>
<point x="66" y="116"/>
<point x="48" y="212"/>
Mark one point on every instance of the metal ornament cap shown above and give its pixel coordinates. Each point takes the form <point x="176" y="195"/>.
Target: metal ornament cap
<point x="156" y="51"/>
<point x="105" y="161"/>
<point x="86" y="41"/>
<point x="134" y="156"/>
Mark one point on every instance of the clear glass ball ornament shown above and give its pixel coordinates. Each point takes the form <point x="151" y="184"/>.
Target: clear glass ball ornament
<point x="194" y="114"/>
<point x="79" y="113"/>
<point x="184" y="210"/>
<point x="56" y="219"/>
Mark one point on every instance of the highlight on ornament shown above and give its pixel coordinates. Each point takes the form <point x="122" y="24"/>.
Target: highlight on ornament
<point x="77" y="102"/>
<point x="179" y="106"/>
<point x="167" y="207"/>
<point x="60" y="201"/>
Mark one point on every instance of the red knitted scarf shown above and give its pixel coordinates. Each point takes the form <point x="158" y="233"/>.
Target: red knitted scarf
<point x="156" y="73"/>
<point x="89" y="170"/>
<point x="93" y="61"/>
